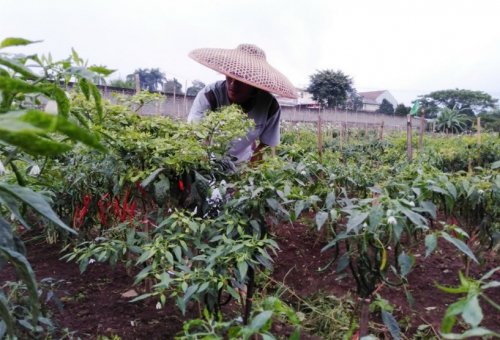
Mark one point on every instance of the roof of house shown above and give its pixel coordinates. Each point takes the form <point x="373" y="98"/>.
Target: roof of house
<point x="371" y="94"/>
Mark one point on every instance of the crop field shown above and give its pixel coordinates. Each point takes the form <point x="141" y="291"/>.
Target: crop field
<point x="120" y="226"/>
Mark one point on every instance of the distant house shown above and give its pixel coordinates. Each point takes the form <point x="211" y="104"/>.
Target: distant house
<point x="373" y="99"/>
<point x="304" y="100"/>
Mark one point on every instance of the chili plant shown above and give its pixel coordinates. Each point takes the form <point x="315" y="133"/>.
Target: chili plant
<point x="468" y="307"/>
<point x="199" y="259"/>
<point x="24" y="129"/>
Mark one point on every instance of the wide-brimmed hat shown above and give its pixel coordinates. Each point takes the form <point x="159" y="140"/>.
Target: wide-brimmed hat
<point x="246" y="63"/>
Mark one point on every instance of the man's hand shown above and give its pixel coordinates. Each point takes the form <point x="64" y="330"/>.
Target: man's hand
<point x="259" y="152"/>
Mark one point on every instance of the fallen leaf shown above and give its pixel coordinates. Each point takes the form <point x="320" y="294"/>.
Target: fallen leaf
<point x="130" y="294"/>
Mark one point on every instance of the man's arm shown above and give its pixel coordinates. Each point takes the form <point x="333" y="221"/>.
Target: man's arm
<point x="258" y="153"/>
<point x="199" y="107"/>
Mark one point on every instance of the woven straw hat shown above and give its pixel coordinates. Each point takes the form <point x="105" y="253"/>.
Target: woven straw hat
<point x="246" y="63"/>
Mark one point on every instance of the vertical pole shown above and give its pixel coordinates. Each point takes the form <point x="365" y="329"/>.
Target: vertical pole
<point x="175" y="106"/>
<point x="478" y="130"/>
<point x="137" y="83"/>
<point x="341" y="135"/>
<point x="422" y="129"/>
<point x="185" y="99"/>
<point x="381" y="136"/>
<point x="137" y="87"/>
<point x="249" y="296"/>
<point x="320" y="139"/>
<point x="409" y="146"/>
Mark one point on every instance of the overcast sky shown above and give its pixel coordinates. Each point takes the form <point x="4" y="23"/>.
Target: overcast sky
<point x="410" y="48"/>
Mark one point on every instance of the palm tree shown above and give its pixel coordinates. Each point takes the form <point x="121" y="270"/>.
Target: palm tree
<point x="451" y="120"/>
<point x="156" y="79"/>
<point x="150" y="79"/>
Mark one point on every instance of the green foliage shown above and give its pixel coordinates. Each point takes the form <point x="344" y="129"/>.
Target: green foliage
<point x="196" y="87"/>
<point x="150" y="79"/>
<point x="25" y="129"/>
<point x="137" y="101"/>
<point x="330" y="88"/>
<point x="451" y="120"/>
<point x="125" y="84"/>
<point x="200" y="258"/>
<point x="386" y="107"/>
<point x="173" y="86"/>
<point x="150" y="201"/>
<point x="213" y="327"/>
<point x="468" y="307"/>
<point x="490" y="121"/>
<point x="401" y="110"/>
<point x="467" y="102"/>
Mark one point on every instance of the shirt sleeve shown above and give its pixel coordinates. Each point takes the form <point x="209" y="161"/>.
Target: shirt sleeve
<point x="271" y="133"/>
<point x="199" y="107"/>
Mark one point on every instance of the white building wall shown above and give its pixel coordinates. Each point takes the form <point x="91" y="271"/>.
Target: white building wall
<point x="387" y="96"/>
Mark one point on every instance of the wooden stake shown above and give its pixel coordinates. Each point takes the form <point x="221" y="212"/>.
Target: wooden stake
<point x="185" y="99"/>
<point x="137" y="83"/>
<point x="409" y="146"/>
<point x="381" y="136"/>
<point x="175" y="107"/>
<point x="479" y="130"/>
<point x="341" y="135"/>
<point x="320" y="139"/>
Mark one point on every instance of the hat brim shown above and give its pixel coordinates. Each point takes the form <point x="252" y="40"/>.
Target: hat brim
<point x="246" y="68"/>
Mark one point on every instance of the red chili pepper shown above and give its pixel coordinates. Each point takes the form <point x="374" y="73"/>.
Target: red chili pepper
<point x="131" y="211"/>
<point x="181" y="185"/>
<point x="116" y="207"/>
<point x="101" y="210"/>
<point x="85" y="208"/>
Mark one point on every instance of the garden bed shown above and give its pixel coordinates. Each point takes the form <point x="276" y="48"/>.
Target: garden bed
<point x="93" y="303"/>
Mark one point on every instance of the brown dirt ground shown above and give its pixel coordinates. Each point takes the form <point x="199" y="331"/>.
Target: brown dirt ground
<point x="92" y="302"/>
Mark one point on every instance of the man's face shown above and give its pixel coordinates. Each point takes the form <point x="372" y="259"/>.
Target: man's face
<point x="238" y="92"/>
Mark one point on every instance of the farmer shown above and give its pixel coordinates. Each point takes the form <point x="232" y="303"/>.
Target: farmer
<point x="250" y="80"/>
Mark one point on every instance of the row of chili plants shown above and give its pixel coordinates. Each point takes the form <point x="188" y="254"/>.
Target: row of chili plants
<point x="166" y="200"/>
<point x="372" y="201"/>
<point x="347" y="192"/>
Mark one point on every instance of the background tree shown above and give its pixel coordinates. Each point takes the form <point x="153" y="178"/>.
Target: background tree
<point x="466" y="102"/>
<point x="451" y="120"/>
<point x="330" y="88"/>
<point x="402" y="110"/>
<point x="169" y="86"/>
<point x="490" y="121"/>
<point x="195" y="88"/>
<point x="151" y="79"/>
<point x="124" y="84"/>
<point x="354" y="101"/>
<point x="386" y="107"/>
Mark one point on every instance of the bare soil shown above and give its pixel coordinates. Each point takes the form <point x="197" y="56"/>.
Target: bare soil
<point x="93" y="304"/>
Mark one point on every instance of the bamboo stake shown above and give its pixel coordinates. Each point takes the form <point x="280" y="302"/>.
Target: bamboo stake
<point x="479" y="130"/>
<point x="341" y="135"/>
<point x="409" y="146"/>
<point x="320" y="139"/>
<point x="176" y="111"/>
<point x="137" y="83"/>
